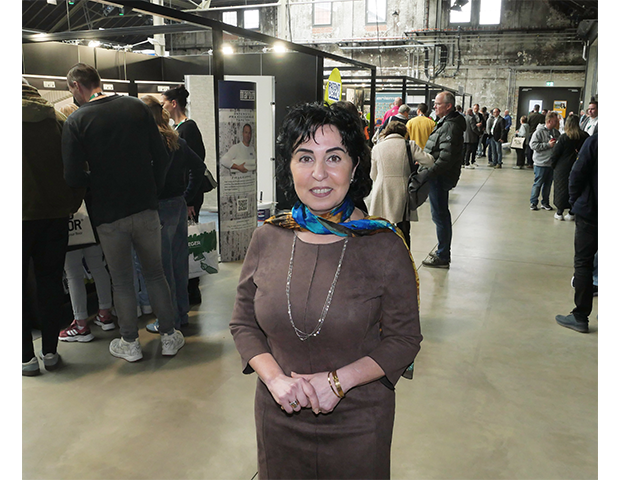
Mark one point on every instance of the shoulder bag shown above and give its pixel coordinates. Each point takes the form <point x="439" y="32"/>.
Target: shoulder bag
<point x="417" y="184"/>
<point x="517" y="143"/>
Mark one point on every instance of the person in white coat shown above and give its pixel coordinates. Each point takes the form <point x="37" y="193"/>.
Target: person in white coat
<point x="390" y="173"/>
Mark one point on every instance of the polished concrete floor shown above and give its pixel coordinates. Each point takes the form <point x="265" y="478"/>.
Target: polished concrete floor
<point x="500" y="390"/>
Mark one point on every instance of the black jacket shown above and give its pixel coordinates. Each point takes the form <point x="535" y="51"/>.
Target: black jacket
<point x="184" y="177"/>
<point x="445" y="144"/>
<point x="498" y="129"/>
<point x="117" y="138"/>
<point x="583" y="181"/>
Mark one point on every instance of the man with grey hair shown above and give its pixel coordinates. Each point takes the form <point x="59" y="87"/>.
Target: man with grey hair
<point x="445" y="144"/>
<point x="542" y="143"/>
<point x="402" y="115"/>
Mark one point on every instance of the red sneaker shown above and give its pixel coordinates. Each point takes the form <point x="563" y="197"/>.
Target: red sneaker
<point x="104" y="320"/>
<point x="75" y="333"/>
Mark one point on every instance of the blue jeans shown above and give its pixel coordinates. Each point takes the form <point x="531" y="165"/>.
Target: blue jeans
<point x="142" y="230"/>
<point x="175" y="253"/>
<point x="496" y="147"/>
<point x="543" y="178"/>
<point x="440" y="213"/>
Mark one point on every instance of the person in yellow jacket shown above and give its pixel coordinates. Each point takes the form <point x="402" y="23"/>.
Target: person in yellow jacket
<point x="421" y="126"/>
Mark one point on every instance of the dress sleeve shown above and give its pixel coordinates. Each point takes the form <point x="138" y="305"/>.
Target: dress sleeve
<point x="249" y="338"/>
<point x="400" y="317"/>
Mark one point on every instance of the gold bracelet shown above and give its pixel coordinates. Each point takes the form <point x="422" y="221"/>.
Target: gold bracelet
<point x="331" y="386"/>
<point x="337" y="383"/>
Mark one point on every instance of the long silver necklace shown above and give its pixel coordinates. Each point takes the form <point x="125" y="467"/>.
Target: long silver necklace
<point x="317" y="329"/>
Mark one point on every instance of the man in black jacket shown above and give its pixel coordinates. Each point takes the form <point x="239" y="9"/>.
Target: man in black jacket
<point x="111" y="145"/>
<point x="497" y="131"/>
<point x="583" y="197"/>
<point x="445" y="144"/>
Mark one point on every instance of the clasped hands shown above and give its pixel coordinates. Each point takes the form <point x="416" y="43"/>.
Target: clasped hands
<point x="303" y="391"/>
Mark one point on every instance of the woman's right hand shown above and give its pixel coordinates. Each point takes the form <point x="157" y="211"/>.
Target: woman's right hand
<point x="285" y="390"/>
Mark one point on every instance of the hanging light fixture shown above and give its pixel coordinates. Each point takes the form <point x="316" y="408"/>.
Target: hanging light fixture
<point x="458" y="4"/>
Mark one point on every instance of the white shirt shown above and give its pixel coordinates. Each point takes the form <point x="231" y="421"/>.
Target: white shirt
<point x="592" y="122"/>
<point x="239" y="154"/>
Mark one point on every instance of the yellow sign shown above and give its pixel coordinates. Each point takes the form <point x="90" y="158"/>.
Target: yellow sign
<point x="333" y="87"/>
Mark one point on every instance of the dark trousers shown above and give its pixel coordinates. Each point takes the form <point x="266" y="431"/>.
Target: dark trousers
<point x="520" y="156"/>
<point x="438" y="197"/>
<point x="529" y="155"/>
<point x="45" y="242"/>
<point x="586" y="246"/>
<point x="470" y="153"/>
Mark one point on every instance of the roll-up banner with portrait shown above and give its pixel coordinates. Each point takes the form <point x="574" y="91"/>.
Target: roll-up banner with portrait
<point x="237" y="161"/>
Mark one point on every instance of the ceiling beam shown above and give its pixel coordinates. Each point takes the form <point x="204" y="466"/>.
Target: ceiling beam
<point x="188" y="18"/>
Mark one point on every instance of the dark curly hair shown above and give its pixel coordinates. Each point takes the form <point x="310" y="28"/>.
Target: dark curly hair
<point x="301" y="124"/>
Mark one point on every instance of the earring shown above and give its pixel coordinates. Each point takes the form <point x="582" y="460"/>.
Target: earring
<point x="351" y="181"/>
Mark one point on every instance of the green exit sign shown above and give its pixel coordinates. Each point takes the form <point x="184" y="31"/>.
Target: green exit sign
<point x="550" y="84"/>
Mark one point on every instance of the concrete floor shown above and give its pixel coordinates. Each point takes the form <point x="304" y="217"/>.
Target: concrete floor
<point x="500" y="390"/>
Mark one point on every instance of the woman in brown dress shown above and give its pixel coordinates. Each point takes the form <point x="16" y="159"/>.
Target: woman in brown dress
<point x="326" y="311"/>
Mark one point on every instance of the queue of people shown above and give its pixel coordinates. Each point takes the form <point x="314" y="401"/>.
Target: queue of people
<point x="140" y="181"/>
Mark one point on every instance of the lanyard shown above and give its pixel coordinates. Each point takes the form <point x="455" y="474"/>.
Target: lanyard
<point x="176" y="127"/>
<point x="95" y="95"/>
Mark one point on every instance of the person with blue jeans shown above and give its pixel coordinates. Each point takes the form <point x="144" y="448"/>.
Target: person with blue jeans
<point x="183" y="183"/>
<point x="542" y="142"/>
<point x="445" y="144"/>
<point x="495" y="140"/>
<point x="112" y="146"/>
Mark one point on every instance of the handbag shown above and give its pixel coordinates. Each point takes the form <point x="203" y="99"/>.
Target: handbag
<point x="517" y="143"/>
<point x="417" y="183"/>
<point x="81" y="233"/>
<point x="209" y="182"/>
<point x="202" y="244"/>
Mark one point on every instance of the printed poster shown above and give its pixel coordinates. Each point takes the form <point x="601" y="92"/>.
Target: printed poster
<point x="237" y="167"/>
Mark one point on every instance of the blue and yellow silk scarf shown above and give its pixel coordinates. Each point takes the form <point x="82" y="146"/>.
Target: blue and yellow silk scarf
<point x="335" y="223"/>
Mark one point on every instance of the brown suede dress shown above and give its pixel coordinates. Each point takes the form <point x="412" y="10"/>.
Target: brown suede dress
<point x="374" y="312"/>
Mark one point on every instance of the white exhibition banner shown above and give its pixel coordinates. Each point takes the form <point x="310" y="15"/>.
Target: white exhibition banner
<point x="237" y="172"/>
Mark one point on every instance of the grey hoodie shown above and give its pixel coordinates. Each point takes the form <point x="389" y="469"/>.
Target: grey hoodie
<point x="539" y="143"/>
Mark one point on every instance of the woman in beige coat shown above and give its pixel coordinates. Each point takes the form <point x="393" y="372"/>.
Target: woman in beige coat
<point x="389" y="172"/>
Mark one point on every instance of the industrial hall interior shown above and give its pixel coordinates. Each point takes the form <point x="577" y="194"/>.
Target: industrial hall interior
<point x="312" y="239"/>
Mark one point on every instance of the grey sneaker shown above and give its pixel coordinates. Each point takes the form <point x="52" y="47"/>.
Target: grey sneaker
<point x="129" y="351"/>
<point x="434" y="261"/>
<point x="171" y="343"/>
<point x="569" y="321"/>
<point x="31" y="368"/>
<point x="50" y="360"/>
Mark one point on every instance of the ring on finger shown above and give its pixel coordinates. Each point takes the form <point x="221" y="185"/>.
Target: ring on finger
<point x="294" y="403"/>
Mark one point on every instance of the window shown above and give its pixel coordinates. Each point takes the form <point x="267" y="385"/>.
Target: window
<point x="376" y="11"/>
<point x="485" y="12"/>
<point x="322" y="13"/>
<point x="251" y="19"/>
<point x="460" y="13"/>
<point x="490" y="12"/>
<point x="229" y="18"/>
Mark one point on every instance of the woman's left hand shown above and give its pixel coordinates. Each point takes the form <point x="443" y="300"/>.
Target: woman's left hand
<point x="327" y="398"/>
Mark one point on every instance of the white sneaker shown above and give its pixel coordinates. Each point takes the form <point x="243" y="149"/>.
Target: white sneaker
<point x="129" y="351"/>
<point x="171" y="343"/>
<point x="569" y="218"/>
<point x="558" y="216"/>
